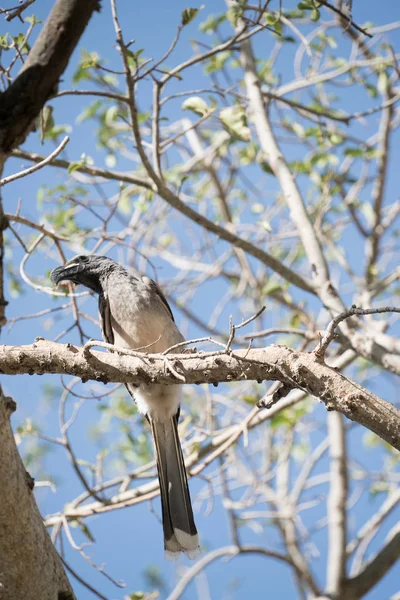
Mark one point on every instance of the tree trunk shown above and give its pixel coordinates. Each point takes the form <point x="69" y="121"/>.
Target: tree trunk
<point x="30" y="568"/>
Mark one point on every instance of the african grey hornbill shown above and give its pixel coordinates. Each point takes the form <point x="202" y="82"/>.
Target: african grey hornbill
<point x="135" y="314"/>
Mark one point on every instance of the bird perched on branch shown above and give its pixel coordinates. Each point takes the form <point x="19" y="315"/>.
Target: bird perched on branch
<point x="135" y="314"/>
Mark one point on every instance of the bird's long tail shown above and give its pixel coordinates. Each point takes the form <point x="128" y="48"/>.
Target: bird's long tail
<point x="180" y="533"/>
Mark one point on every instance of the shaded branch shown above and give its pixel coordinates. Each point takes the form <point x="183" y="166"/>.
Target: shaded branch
<point x="345" y="17"/>
<point x="20" y="520"/>
<point x="38" y="79"/>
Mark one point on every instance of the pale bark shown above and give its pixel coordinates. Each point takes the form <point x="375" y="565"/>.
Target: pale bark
<point x="336" y="506"/>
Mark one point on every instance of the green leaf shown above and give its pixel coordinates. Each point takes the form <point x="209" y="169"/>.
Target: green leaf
<point x="142" y="117"/>
<point x="4" y="41"/>
<point x="354" y="152"/>
<point x="306" y="5"/>
<point x="86" y="531"/>
<point x="265" y="225"/>
<point x="234" y="119"/>
<point x="110" y="160"/>
<point x="188" y="14"/>
<point x="135" y="55"/>
<point x="45" y="121"/>
<point x="215" y="63"/>
<point x="336" y="139"/>
<point x="315" y="15"/>
<point x="271" y="287"/>
<point x="266" y="167"/>
<point x="372" y="90"/>
<point x="91" y="59"/>
<point x="270" y="18"/>
<point x="75" y="166"/>
<point x="90" y="111"/>
<point x="257" y="208"/>
<point x="368" y="213"/>
<point x="234" y="14"/>
<point x="196" y="105"/>
<point x="32" y="20"/>
<point x="298" y="130"/>
<point x="383" y="82"/>
<point x="212" y="23"/>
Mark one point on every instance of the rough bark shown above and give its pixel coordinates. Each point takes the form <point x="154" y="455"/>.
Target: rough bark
<point x="274" y="363"/>
<point x="29" y="564"/>
<point x="39" y="76"/>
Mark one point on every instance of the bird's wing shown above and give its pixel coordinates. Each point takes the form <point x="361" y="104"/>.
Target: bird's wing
<point x="105" y="319"/>
<point x="154" y="288"/>
<point x="106" y="327"/>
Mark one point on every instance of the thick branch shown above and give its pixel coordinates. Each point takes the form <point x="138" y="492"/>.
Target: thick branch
<point x="39" y="76"/>
<point x="30" y="566"/>
<point x="377" y="567"/>
<point x="274" y="363"/>
<point x="282" y="172"/>
<point x="336" y="509"/>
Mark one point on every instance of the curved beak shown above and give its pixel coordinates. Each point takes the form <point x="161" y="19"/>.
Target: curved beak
<point x="65" y="273"/>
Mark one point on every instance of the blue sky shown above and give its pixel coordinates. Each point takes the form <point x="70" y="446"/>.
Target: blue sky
<point x="129" y="540"/>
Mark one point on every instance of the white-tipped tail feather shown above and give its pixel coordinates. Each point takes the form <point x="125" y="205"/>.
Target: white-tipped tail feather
<point x="180" y="533"/>
<point x="182" y="542"/>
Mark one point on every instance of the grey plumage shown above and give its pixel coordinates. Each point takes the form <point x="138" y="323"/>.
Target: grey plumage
<point x="135" y="314"/>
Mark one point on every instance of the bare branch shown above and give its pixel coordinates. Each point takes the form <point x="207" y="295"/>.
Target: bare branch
<point x="370" y="528"/>
<point x="345" y="17"/>
<point x="377" y="567"/>
<point x="349" y="312"/>
<point x="336" y="512"/>
<point x="18" y="10"/>
<point x="219" y="553"/>
<point x="286" y="180"/>
<point x="38" y="166"/>
<point x="276" y="363"/>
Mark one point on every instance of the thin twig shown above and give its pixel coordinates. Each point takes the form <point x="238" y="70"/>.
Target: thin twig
<point x="40" y="165"/>
<point x="320" y="350"/>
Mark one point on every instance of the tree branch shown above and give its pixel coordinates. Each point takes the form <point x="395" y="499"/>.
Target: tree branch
<point x="25" y="550"/>
<point x="346" y="17"/>
<point x="38" y="166"/>
<point x="377" y="567"/>
<point x="336" y="511"/>
<point x="274" y="363"/>
<point x="173" y="200"/>
<point x="39" y="76"/>
<point x="370" y="528"/>
<point x="219" y="553"/>
<point x="283" y="174"/>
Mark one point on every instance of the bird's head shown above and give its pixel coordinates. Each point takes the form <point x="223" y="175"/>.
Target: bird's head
<point x="84" y="270"/>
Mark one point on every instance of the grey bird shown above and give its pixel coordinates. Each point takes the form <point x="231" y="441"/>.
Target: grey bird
<point x="135" y="314"/>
